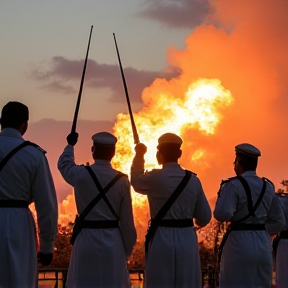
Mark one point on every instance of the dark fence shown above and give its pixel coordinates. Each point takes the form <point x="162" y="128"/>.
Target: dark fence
<point x="59" y="275"/>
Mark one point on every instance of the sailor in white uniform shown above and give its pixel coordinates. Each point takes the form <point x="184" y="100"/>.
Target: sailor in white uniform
<point x="172" y="258"/>
<point x="24" y="178"/>
<point x="250" y="204"/>
<point x="108" y="233"/>
<point x="282" y="250"/>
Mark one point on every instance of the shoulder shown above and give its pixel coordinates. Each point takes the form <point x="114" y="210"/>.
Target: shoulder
<point x="36" y="146"/>
<point x="122" y="177"/>
<point x="228" y="183"/>
<point x="192" y="173"/>
<point x="153" y="173"/>
<point x="230" y="179"/>
<point x="34" y="150"/>
<point x="121" y="174"/>
<point x="269" y="182"/>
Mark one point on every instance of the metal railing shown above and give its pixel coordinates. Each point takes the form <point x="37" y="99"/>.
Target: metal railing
<point x="59" y="275"/>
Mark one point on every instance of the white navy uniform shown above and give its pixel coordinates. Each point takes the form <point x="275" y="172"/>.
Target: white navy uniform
<point x="247" y="256"/>
<point x="173" y="258"/>
<point x="282" y="251"/>
<point x="99" y="256"/>
<point x="27" y="177"/>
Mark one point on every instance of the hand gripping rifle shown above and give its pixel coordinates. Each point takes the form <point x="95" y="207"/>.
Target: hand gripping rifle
<point x="73" y="129"/>
<point x="134" y="130"/>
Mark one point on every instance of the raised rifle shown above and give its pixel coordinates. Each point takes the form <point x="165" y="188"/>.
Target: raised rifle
<point x="134" y="130"/>
<point x="73" y="129"/>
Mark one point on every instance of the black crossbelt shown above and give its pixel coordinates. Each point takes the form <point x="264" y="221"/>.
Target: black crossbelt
<point x="284" y="234"/>
<point x="15" y="150"/>
<point x="100" y="224"/>
<point x="251" y="211"/>
<point x="175" y="223"/>
<point x="13" y="204"/>
<point x="152" y="228"/>
<point x="103" y="191"/>
<point x="246" y="227"/>
<point x="79" y="219"/>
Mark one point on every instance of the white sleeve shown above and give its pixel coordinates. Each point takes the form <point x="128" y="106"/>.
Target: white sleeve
<point x="202" y="212"/>
<point x="66" y="165"/>
<point x="139" y="180"/>
<point x="44" y="195"/>
<point x="226" y="203"/>
<point x="127" y="227"/>
<point x="275" y="219"/>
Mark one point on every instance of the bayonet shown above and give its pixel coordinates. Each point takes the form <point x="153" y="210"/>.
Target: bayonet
<point x="134" y="130"/>
<point x="73" y="129"/>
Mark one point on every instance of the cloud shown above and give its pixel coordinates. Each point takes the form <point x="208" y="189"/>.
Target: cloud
<point x="64" y="75"/>
<point x="176" y="13"/>
<point x="58" y="86"/>
<point x="247" y="52"/>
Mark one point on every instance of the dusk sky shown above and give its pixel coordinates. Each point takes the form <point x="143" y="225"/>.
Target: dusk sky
<point x="43" y="45"/>
<point x="163" y="45"/>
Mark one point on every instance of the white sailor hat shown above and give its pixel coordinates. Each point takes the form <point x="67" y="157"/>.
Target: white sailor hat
<point x="247" y="150"/>
<point x="104" y="138"/>
<point x="169" y="138"/>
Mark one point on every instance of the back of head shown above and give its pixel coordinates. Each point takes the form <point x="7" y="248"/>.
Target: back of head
<point x="14" y="114"/>
<point x="103" y="146"/>
<point x="169" y="145"/>
<point x="247" y="155"/>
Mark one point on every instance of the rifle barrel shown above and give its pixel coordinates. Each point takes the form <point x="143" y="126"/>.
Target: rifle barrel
<point x="73" y="129"/>
<point x="134" y="130"/>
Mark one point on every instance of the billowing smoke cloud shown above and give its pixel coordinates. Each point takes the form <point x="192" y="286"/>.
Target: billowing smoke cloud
<point x="247" y="52"/>
<point x="63" y="75"/>
<point x="177" y="13"/>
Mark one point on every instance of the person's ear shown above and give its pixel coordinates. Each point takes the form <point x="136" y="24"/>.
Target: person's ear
<point x="159" y="158"/>
<point x="23" y="128"/>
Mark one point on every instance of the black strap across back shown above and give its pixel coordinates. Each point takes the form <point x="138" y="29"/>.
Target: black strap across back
<point x="14" y="151"/>
<point x="12" y="203"/>
<point x="157" y="220"/>
<point x="237" y="225"/>
<point x="81" y="223"/>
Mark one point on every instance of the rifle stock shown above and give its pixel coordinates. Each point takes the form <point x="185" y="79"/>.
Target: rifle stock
<point x="73" y="129"/>
<point x="134" y="130"/>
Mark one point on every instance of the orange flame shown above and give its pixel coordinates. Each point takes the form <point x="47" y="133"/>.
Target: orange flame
<point x="198" y="108"/>
<point x="165" y="110"/>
